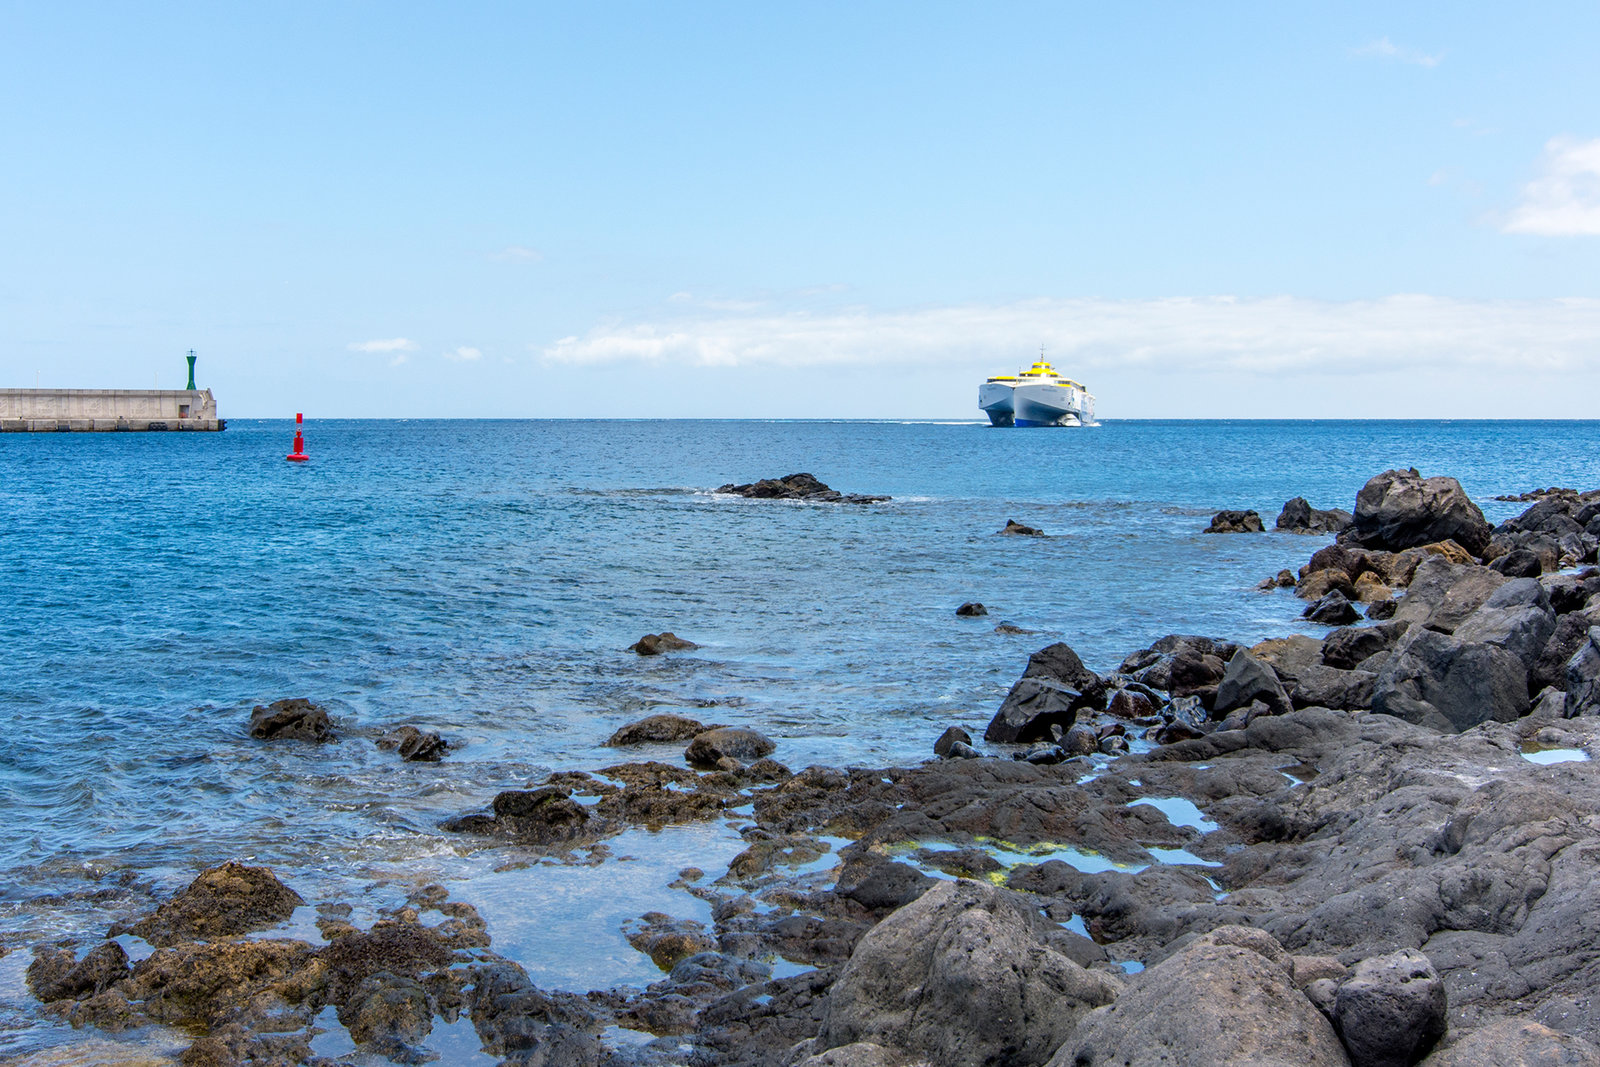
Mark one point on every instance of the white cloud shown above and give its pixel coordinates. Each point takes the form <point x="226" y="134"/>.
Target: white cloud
<point x="392" y="344"/>
<point x="1223" y="335"/>
<point x="519" y="254"/>
<point x="463" y="354"/>
<point x="1564" y="200"/>
<point x="1383" y="48"/>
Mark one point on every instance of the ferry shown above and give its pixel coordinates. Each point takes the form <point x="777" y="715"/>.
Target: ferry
<point x="1037" y="396"/>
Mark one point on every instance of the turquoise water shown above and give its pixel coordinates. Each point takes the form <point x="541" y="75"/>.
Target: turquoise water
<point x="484" y="579"/>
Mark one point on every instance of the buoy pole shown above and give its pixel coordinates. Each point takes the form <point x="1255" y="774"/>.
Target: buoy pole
<point x="299" y="453"/>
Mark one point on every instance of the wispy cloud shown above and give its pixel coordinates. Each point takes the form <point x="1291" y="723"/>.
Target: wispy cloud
<point x="391" y="344"/>
<point x="463" y="354"/>
<point x="1383" y="48"/>
<point x="1564" y="200"/>
<point x="518" y="254"/>
<point x="1218" y="334"/>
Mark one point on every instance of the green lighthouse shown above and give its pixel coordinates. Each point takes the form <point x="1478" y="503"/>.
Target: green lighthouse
<point x="191" y="370"/>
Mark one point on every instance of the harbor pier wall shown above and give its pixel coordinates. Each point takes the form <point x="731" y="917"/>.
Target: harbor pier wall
<point x="46" y="410"/>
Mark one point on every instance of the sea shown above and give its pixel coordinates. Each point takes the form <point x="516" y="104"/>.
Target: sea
<point x="484" y="579"/>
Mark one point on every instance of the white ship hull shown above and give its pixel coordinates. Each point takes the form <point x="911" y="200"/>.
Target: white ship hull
<point x="1036" y="404"/>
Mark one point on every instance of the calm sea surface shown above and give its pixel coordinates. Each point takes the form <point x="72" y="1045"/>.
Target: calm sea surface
<point x="484" y="579"/>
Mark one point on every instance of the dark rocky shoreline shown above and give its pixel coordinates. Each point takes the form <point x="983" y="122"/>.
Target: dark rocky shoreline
<point x="1309" y="851"/>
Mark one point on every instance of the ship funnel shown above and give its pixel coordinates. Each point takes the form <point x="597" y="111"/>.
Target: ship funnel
<point x="191" y="369"/>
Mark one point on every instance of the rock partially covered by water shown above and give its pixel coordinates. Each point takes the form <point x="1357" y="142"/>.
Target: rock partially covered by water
<point x="654" y="729"/>
<point x="965" y="974"/>
<point x="55" y="975"/>
<point x="655" y="644"/>
<point x="1013" y="528"/>
<point x="540" y="817"/>
<point x="223" y="901"/>
<point x="798" y="487"/>
<point x="296" y="719"/>
<point x="1235" y="522"/>
<point x="1402" y="509"/>
<point x="414" y="745"/>
<point x="1227" y="998"/>
<point x="1390" y="1011"/>
<point x="1298" y="516"/>
<point x="728" y="742"/>
<point x="952" y="736"/>
<point x="971" y="609"/>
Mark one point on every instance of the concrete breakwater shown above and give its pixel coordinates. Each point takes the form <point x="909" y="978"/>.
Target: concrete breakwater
<point x="62" y="410"/>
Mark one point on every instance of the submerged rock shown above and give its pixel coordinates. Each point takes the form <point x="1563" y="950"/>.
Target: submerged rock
<point x="296" y="719"/>
<point x="798" y="487"/>
<point x="1014" y="528"/>
<point x="414" y="745"/>
<point x="655" y="644"/>
<point x="652" y="729"/>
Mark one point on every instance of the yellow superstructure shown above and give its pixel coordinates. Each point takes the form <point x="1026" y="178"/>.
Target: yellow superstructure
<point x="1040" y="372"/>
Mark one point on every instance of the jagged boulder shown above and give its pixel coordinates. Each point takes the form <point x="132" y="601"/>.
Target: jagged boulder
<point x="1517" y="617"/>
<point x="1298" y="516"/>
<point x="1436" y="680"/>
<point x="965" y="974"/>
<point x="296" y="719"/>
<point x="1402" y="509"/>
<point x="1235" y="522"/>
<point x="1053" y="688"/>
<point x="1442" y="594"/>
<point x="1248" y="679"/>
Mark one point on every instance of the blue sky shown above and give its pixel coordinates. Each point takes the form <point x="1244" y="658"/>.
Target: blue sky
<point x="852" y="210"/>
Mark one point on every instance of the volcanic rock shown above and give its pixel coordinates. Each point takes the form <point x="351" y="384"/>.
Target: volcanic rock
<point x="1390" y="1011"/>
<point x="1332" y="610"/>
<point x="1440" y="681"/>
<point x="655" y="644"/>
<point x="952" y="735"/>
<point x="1235" y="522"/>
<point x="1402" y="509"/>
<point x="296" y="719"/>
<point x="1228" y="998"/>
<point x="1014" y="528"/>
<point x="414" y="745"/>
<point x="971" y="609"/>
<point x="798" y="487"/>
<point x="728" y="742"/>
<point x="964" y="974"/>
<point x="660" y="728"/>
<point x="222" y="901"/>
<point x="1298" y="516"/>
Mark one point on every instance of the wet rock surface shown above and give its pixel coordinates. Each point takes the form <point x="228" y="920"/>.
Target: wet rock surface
<point x="798" y="487"/>
<point x="666" y="641"/>
<point x="414" y="745"/>
<point x="228" y="899"/>
<point x="296" y="719"/>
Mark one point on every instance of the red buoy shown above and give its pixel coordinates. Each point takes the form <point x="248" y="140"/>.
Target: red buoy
<point x="299" y="453"/>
